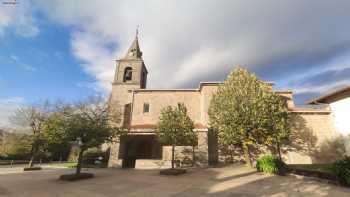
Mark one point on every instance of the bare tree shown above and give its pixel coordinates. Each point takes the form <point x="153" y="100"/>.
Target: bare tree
<point x="32" y="118"/>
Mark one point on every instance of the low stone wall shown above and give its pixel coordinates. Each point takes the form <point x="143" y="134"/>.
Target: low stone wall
<point x="314" y="139"/>
<point x="152" y="164"/>
<point x="181" y="152"/>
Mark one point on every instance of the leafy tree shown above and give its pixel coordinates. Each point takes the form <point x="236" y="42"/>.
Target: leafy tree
<point x="90" y="123"/>
<point x="192" y="140"/>
<point x="175" y="127"/>
<point x="54" y="131"/>
<point x="2" y="142"/>
<point x="15" y="146"/>
<point x="32" y="117"/>
<point x="277" y="122"/>
<point x="236" y="110"/>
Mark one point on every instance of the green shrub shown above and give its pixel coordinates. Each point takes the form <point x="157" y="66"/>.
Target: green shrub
<point x="341" y="169"/>
<point x="94" y="154"/>
<point x="270" y="164"/>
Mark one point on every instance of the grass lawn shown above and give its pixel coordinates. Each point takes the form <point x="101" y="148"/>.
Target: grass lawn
<point x="314" y="167"/>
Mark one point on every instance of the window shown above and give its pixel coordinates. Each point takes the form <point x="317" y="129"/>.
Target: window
<point x="145" y="107"/>
<point x="127" y="74"/>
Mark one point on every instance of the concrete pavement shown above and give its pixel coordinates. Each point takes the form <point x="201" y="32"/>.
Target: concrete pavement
<point x="221" y="182"/>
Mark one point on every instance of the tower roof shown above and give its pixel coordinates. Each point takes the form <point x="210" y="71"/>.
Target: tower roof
<point x="134" y="51"/>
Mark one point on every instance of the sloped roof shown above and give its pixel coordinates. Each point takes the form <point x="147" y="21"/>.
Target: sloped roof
<point x="332" y="96"/>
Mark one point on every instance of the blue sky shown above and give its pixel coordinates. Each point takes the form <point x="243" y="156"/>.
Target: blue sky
<point x="62" y="49"/>
<point x="41" y="67"/>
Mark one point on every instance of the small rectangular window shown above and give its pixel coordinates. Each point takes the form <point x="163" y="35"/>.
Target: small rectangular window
<point x="145" y="108"/>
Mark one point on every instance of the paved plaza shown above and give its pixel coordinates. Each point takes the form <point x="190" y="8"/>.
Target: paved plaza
<point x="227" y="181"/>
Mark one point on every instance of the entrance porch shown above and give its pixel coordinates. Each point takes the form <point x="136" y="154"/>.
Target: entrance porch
<point x="138" y="147"/>
<point x="142" y="150"/>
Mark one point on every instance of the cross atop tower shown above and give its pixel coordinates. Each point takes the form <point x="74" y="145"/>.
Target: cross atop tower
<point x="134" y="51"/>
<point x="137" y="31"/>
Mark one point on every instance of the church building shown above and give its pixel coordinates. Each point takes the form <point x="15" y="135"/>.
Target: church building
<point x="312" y="125"/>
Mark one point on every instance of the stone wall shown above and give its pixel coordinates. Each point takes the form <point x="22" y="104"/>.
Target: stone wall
<point x="157" y="100"/>
<point x="313" y="130"/>
<point x="207" y="92"/>
<point x="186" y="152"/>
<point x="311" y="134"/>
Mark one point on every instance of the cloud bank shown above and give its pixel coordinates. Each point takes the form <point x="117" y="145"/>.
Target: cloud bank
<point x="295" y="43"/>
<point x="19" y="17"/>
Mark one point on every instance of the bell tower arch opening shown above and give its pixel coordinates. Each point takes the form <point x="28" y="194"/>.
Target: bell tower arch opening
<point x="127" y="74"/>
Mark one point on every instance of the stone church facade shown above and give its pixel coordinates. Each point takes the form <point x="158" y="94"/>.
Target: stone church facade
<point x="141" y="109"/>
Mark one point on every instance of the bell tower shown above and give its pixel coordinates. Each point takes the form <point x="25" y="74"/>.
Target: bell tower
<point x="131" y="74"/>
<point x="131" y="70"/>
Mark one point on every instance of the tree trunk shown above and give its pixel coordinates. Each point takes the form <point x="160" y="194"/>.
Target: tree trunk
<point x="172" y="156"/>
<point x="33" y="152"/>
<point x="80" y="160"/>
<point x="193" y="156"/>
<point x="31" y="163"/>
<point x="279" y="150"/>
<point x="231" y="154"/>
<point x="247" y="155"/>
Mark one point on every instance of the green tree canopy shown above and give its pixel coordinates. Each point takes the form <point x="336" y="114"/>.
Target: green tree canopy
<point x="175" y="127"/>
<point x="240" y="111"/>
<point x="15" y="146"/>
<point x="277" y="128"/>
<point x="91" y="123"/>
<point x="54" y="131"/>
<point x="87" y="124"/>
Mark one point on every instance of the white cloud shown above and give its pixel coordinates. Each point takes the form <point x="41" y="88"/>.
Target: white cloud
<point x="5" y="17"/>
<point x="7" y="108"/>
<point x="90" y="85"/>
<point x="97" y="60"/>
<point x="14" y="57"/>
<point x="186" y="41"/>
<point x="18" y="16"/>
